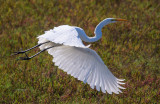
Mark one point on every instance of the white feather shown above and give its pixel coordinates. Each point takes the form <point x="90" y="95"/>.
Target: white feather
<point x="64" y="34"/>
<point x="92" y="71"/>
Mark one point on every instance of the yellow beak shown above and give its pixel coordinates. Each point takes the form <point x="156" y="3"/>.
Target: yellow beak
<point x="119" y="19"/>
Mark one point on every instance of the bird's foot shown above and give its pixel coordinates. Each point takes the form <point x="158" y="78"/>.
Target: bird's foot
<point x="24" y="58"/>
<point x="18" y="52"/>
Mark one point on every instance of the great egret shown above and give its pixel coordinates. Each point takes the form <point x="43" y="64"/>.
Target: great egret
<point x="65" y="44"/>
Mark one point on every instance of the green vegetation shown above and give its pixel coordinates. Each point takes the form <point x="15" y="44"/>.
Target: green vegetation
<point x="131" y="50"/>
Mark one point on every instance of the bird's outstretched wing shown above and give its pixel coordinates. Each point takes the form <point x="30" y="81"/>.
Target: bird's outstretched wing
<point x="86" y="65"/>
<point x="63" y="34"/>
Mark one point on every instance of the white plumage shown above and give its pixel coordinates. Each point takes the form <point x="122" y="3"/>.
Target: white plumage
<point x="78" y="60"/>
<point x="66" y="35"/>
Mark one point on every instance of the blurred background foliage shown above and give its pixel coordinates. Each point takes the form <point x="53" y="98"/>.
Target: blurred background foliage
<point x="131" y="50"/>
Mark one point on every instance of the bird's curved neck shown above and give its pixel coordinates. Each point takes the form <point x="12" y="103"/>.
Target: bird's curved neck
<point x="97" y="32"/>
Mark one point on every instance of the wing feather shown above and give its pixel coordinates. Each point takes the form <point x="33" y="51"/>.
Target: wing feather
<point x="64" y="34"/>
<point x="87" y="66"/>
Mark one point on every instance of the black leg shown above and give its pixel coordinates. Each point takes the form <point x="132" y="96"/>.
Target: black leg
<point x="27" y="58"/>
<point x="19" y="52"/>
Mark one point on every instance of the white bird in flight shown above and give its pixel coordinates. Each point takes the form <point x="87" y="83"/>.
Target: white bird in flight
<point x="69" y="53"/>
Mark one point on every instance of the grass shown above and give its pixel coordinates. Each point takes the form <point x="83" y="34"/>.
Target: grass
<point x="131" y="50"/>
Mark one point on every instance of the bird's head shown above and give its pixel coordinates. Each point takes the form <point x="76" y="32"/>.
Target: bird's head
<point x="108" y="21"/>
